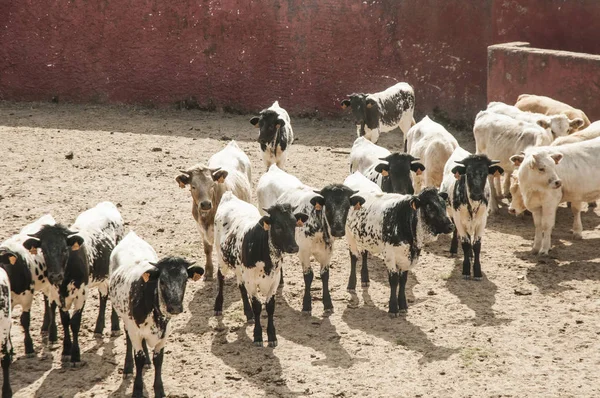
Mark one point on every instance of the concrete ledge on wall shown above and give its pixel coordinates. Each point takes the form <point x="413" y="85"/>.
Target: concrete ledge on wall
<point x="516" y="68"/>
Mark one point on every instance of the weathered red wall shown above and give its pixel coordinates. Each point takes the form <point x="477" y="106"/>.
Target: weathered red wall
<point x="569" y="25"/>
<point x="244" y="54"/>
<point x="574" y="78"/>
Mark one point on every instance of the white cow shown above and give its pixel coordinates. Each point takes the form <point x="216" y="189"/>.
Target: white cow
<point x="499" y="137"/>
<point x="227" y="170"/>
<point x="590" y="132"/>
<point x="433" y="144"/>
<point x="551" y="175"/>
<point x="559" y="125"/>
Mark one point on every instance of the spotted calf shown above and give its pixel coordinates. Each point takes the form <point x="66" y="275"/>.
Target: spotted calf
<point x="275" y="134"/>
<point x="253" y="246"/>
<point x="27" y="273"/>
<point x="396" y="227"/>
<point x="5" y="325"/>
<point x="327" y="211"/>
<point x="146" y="293"/>
<point x="77" y="258"/>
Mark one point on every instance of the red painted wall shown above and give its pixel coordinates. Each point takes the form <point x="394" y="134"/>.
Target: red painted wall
<point x="569" y="77"/>
<point x="244" y="54"/>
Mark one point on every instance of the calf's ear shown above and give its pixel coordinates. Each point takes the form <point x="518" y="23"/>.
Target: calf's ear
<point x="74" y="241"/>
<point x="576" y="123"/>
<point x="417" y="167"/>
<point x="444" y="195"/>
<point x="543" y="123"/>
<point x="415" y="203"/>
<point x="371" y="103"/>
<point x="357" y="201"/>
<point x="345" y="103"/>
<point x="460" y="170"/>
<point x="7" y="257"/>
<point x="496" y="169"/>
<point x="219" y="176"/>
<point x="151" y="275"/>
<point x="383" y="168"/>
<point x="195" y="272"/>
<point x="254" y="121"/>
<point x="280" y="123"/>
<point x="265" y="222"/>
<point x="301" y="218"/>
<point x="32" y="243"/>
<point x="557" y="157"/>
<point x="517" y="159"/>
<point x="318" y="202"/>
<point x="182" y="180"/>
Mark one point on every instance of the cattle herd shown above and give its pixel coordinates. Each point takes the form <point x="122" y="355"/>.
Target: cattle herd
<point x="391" y="205"/>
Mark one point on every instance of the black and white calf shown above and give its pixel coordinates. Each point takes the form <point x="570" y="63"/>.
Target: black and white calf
<point x="383" y="111"/>
<point x="146" y="294"/>
<point x="391" y="171"/>
<point x="77" y="258"/>
<point x="275" y="134"/>
<point x="5" y="324"/>
<point x="396" y="227"/>
<point x="254" y="246"/>
<point x="27" y="274"/>
<point x="327" y="211"/>
<point x="468" y="189"/>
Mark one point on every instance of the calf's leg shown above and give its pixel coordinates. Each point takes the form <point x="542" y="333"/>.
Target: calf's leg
<point x="393" y="306"/>
<point x="7" y="353"/>
<point x="247" y="307"/>
<point x="100" y="321"/>
<point x="271" y="336"/>
<point x="75" y="326"/>
<point x="208" y="270"/>
<point x="65" y="320"/>
<point x="115" y="330"/>
<point x="219" y="299"/>
<point x="327" y="303"/>
<point x="159" y="390"/>
<point x="25" y="319"/>
<point x="352" y="280"/>
<point x="548" y="218"/>
<point x="466" y="246"/>
<point x="577" y="225"/>
<point x="364" y="271"/>
<point x="454" y="243"/>
<point x="256" y="308"/>
<point x="402" y="303"/>
<point x="537" y="221"/>
<point x="476" y="264"/>
<point x="128" y="366"/>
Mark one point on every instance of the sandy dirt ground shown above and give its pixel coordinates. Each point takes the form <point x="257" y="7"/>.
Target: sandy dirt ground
<point x="529" y="329"/>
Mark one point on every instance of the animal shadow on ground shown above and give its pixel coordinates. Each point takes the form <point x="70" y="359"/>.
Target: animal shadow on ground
<point x="548" y="275"/>
<point x="376" y="322"/>
<point x="316" y="333"/>
<point x="576" y="250"/>
<point x="26" y="371"/>
<point x="202" y="304"/>
<point x="479" y="296"/>
<point x="259" y="366"/>
<point x="67" y="382"/>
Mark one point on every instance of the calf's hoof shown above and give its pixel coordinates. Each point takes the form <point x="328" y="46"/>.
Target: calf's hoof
<point x="65" y="358"/>
<point x="258" y="344"/>
<point x="364" y="284"/>
<point x="393" y="315"/>
<point x="272" y="344"/>
<point x="327" y="311"/>
<point x="218" y="313"/>
<point x="307" y="312"/>
<point x="466" y="277"/>
<point x="116" y="333"/>
<point x="30" y="355"/>
<point x="79" y="364"/>
<point x="127" y="376"/>
<point x="577" y="236"/>
<point x="592" y="204"/>
<point x="98" y="335"/>
<point x="208" y="278"/>
<point x="351" y="290"/>
<point x="478" y="278"/>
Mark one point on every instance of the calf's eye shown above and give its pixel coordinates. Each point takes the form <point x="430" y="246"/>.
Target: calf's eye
<point x="542" y="170"/>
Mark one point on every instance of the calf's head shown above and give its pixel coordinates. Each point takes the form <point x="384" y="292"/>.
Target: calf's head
<point x="57" y="243"/>
<point x="475" y="169"/>
<point x="269" y="123"/>
<point x="203" y="183"/>
<point x="432" y="206"/>
<point x="538" y="168"/>
<point x="561" y="125"/>
<point x="396" y="172"/>
<point x="170" y="276"/>
<point x="280" y="223"/>
<point x="364" y="110"/>
<point x="336" y="200"/>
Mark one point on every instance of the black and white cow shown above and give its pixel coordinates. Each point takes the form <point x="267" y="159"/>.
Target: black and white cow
<point x="468" y="189"/>
<point x="327" y="211"/>
<point x="275" y="134"/>
<point x="391" y="171"/>
<point x="383" y="111"/>
<point x="146" y="294"/>
<point x="227" y="170"/>
<point x="27" y="274"/>
<point x="396" y="227"/>
<point x="77" y="258"/>
<point x="5" y="325"/>
<point x="254" y="246"/>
